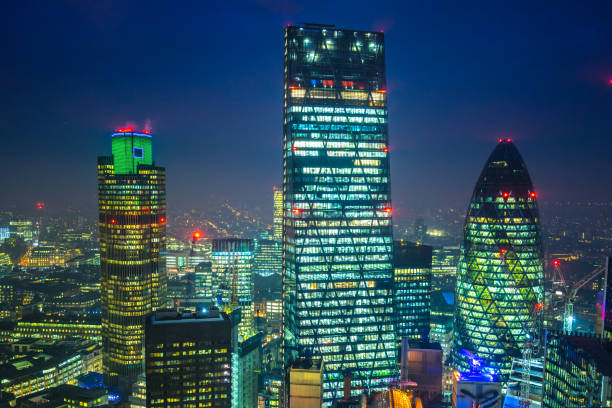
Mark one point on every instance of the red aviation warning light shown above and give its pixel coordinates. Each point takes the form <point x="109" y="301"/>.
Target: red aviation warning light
<point x="508" y="140"/>
<point x="539" y="306"/>
<point x="502" y="252"/>
<point x="128" y="129"/>
<point x="196" y="235"/>
<point x="297" y="210"/>
<point x="500" y="140"/>
<point x="556" y="262"/>
<point x="113" y="221"/>
<point x="386" y="149"/>
<point x="388" y="210"/>
<point x="610" y="81"/>
<point x="294" y="148"/>
<point x="162" y="220"/>
<point x="505" y="194"/>
<point x="533" y="194"/>
<point x="40" y="205"/>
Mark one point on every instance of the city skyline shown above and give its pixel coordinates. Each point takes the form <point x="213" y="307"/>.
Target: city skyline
<point x="529" y="100"/>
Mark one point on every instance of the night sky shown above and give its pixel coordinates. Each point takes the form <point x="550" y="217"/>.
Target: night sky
<point x="208" y="77"/>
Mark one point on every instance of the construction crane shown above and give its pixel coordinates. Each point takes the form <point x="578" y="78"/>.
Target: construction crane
<point x="569" y="292"/>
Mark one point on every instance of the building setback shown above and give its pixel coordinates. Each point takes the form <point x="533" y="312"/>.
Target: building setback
<point x="189" y="359"/>
<point x="337" y="243"/>
<point x="132" y="223"/>
<point x="499" y="277"/>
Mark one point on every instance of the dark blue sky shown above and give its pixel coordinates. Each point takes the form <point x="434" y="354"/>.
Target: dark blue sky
<point x="208" y="76"/>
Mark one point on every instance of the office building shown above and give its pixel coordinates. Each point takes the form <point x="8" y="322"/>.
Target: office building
<point x="337" y="239"/>
<point x="268" y="257"/>
<point x="189" y="359"/>
<point x="232" y="264"/>
<point x="58" y="327"/>
<point x="521" y="373"/>
<point x="421" y="370"/>
<point x="412" y="292"/>
<point x="38" y="366"/>
<point x="23" y="229"/>
<point x="577" y="371"/>
<point x="306" y="383"/>
<point x="499" y="277"/>
<point x="204" y="280"/>
<point x="277" y="220"/>
<point x="246" y="369"/>
<point x="132" y="223"/>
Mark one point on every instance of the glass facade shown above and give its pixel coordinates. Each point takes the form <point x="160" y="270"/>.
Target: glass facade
<point x="268" y="257"/>
<point x="412" y="296"/>
<point x="577" y="371"/>
<point x="277" y="221"/>
<point x="234" y="256"/>
<point x="132" y="224"/>
<point x="337" y="240"/>
<point x="499" y="277"/>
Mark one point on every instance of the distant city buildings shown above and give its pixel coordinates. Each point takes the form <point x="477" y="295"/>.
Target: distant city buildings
<point x="499" y="278"/>
<point x="337" y="241"/>
<point x="412" y="291"/>
<point x="132" y="222"/>
<point x="268" y="257"/>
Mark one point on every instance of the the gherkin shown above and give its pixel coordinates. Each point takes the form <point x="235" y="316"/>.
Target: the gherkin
<point x="499" y="276"/>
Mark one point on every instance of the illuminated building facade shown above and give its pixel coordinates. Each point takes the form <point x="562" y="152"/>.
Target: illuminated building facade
<point x="38" y="366"/>
<point x="189" y="359"/>
<point x="268" y="257"/>
<point x="337" y="243"/>
<point x="277" y="220"/>
<point x="412" y="293"/>
<point x="499" y="277"/>
<point x="132" y="223"/>
<point x="41" y="326"/>
<point x="203" y="280"/>
<point x="234" y="256"/>
<point x="577" y="371"/>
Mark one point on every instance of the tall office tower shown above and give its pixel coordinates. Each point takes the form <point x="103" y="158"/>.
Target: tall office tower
<point x="189" y="359"/>
<point x="337" y="243"/>
<point x="203" y="280"/>
<point x="577" y="371"/>
<point x="277" y="220"/>
<point x="132" y="211"/>
<point x="232" y="265"/>
<point x="268" y="257"/>
<point x="499" y="277"/>
<point x="412" y="293"/>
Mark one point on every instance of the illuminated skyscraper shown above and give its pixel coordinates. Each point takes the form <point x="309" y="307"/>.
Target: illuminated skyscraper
<point x="499" y="277"/>
<point x="337" y="244"/>
<point x="132" y="211"/>
<point x="234" y="257"/>
<point x="412" y="298"/>
<point x="277" y="221"/>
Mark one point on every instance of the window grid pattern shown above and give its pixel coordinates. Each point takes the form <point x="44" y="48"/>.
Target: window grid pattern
<point x="337" y="242"/>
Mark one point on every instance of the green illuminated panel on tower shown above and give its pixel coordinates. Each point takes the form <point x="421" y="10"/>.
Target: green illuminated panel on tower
<point x="131" y="149"/>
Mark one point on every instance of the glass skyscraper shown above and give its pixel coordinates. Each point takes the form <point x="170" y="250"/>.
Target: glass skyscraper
<point x="499" y="276"/>
<point x="132" y="223"/>
<point x="337" y="243"/>
<point x="234" y="256"/>
<point x="277" y="221"/>
<point x="412" y="297"/>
